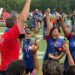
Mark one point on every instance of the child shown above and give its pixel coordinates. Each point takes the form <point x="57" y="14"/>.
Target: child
<point x="27" y="54"/>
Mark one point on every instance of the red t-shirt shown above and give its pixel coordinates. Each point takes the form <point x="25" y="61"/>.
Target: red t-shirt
<point x="9" y="47"/>
<point x="47" y="38"/>
<point x="69" y="36"/>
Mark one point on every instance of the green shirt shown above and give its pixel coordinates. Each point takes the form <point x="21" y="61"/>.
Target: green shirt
<point x="68" y="22"/>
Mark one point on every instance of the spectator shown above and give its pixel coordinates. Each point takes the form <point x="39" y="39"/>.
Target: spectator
<point x="52" y="68"/>
<point x="73" y="20"/>
<point x="10" y="44"/>
<point x="38" y="19"/>
<point x="45" y="25"/>
<point x="41" y="18"/>
<point x="68" y="22"/>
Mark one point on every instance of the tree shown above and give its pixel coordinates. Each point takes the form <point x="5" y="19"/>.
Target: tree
<point x="66" y="5"/>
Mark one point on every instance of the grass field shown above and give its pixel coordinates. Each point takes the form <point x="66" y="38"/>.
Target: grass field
<point x="42" y="48"/>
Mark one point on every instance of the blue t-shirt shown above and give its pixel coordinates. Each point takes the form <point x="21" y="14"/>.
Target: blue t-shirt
<point x="71" y="39"/>
<point x="54" y="12"/>
<point x="28" y="56"/>
<point x="53" y="45"/>
<point x="39" y="15"/>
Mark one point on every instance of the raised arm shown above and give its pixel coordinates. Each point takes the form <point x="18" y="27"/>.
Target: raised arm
<point x="70" y="59"/>
<point x="24" y="15"/>
<point x="36" y="63"/>
<point x="48" y="22"/>
<point x="63" y="25"/>
<point x="36" y="44"/>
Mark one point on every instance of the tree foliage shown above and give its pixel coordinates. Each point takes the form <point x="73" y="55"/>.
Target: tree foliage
<point x="66" y="5"/>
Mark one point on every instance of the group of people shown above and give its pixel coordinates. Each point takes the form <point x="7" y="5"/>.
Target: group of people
<point x="56" y="47"/>
<point x="37" y="18"/>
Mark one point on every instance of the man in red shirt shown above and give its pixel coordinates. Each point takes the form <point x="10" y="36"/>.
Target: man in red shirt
<point x="9" y="45"/>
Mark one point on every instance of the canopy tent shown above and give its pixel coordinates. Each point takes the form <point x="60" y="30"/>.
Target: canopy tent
<point x="3" y="17"/>
<point x="5" y="14"/>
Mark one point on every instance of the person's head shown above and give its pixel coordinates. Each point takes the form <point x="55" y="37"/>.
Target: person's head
<point x="54" y="10"/>
<point x="68" y="15"/>
<point x="74" y="12"/>
<point x="35" y="14"/>
<point x="52" y="68"/>
<point x="36" y="11"/>
<point x="28" y="34"/>
<point x="11" y="21"/>
<point x="40" y="11"/>
<point x="54" y="33"/>
<point x="16" y="68"/>
<point x="71" y="70"/>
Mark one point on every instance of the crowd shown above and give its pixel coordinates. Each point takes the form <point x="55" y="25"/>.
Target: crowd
<point x="18" y="29"/>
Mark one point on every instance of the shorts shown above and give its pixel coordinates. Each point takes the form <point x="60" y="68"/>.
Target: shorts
<point x="22" y="36"/>
<point x="2" y="72"/>
<point x="28" y="70"/>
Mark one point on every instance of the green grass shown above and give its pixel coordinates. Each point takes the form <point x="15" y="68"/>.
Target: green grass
<point x="42" y="47"/>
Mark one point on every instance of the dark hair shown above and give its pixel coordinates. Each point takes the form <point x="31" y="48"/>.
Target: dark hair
<point x="52" y="68"/>
<point x="35" y="13"/>
<point x="16" y="68"/>
<point x="10" y="21"/>
<point x="28" y="31"/>
<point x="53" y="30"/>
<point x="71" y="70"/>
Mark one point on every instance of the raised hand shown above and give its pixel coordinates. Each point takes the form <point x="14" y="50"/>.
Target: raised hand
<point x="28" y="0"/>
<point x="33" y="49"/>
<point x="58" y="15"/>
<point x="47" y="12"/>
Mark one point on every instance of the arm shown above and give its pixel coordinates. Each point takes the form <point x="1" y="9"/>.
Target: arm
<point x="24" y="15"/>
<point x="34" y="47"/>
<point x="39" y="18"/>
<point x="56" y="57"/>
<point x="70" y="59"/>
<point x="63" y="25"/>
<point x="48" y="26"/>
<point x="34" y="51"/>
<point x="48" y="22"/>
<point x="60" y="56"/>
<point x="36" y="64"/>
<point x="36" y="44"/>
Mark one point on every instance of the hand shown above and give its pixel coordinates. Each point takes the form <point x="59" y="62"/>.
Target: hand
<point x="26" y="25"/>
<point x="33" y="49"/>
<point x="28" y="0"/>
<point x="47" y="12"/>
<point x="66" y="48"/>
<point x="50" y="55"/>
<point x="53" y="57"/>
<point x="56" y="58"/>
<point x="60" y="16"/>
